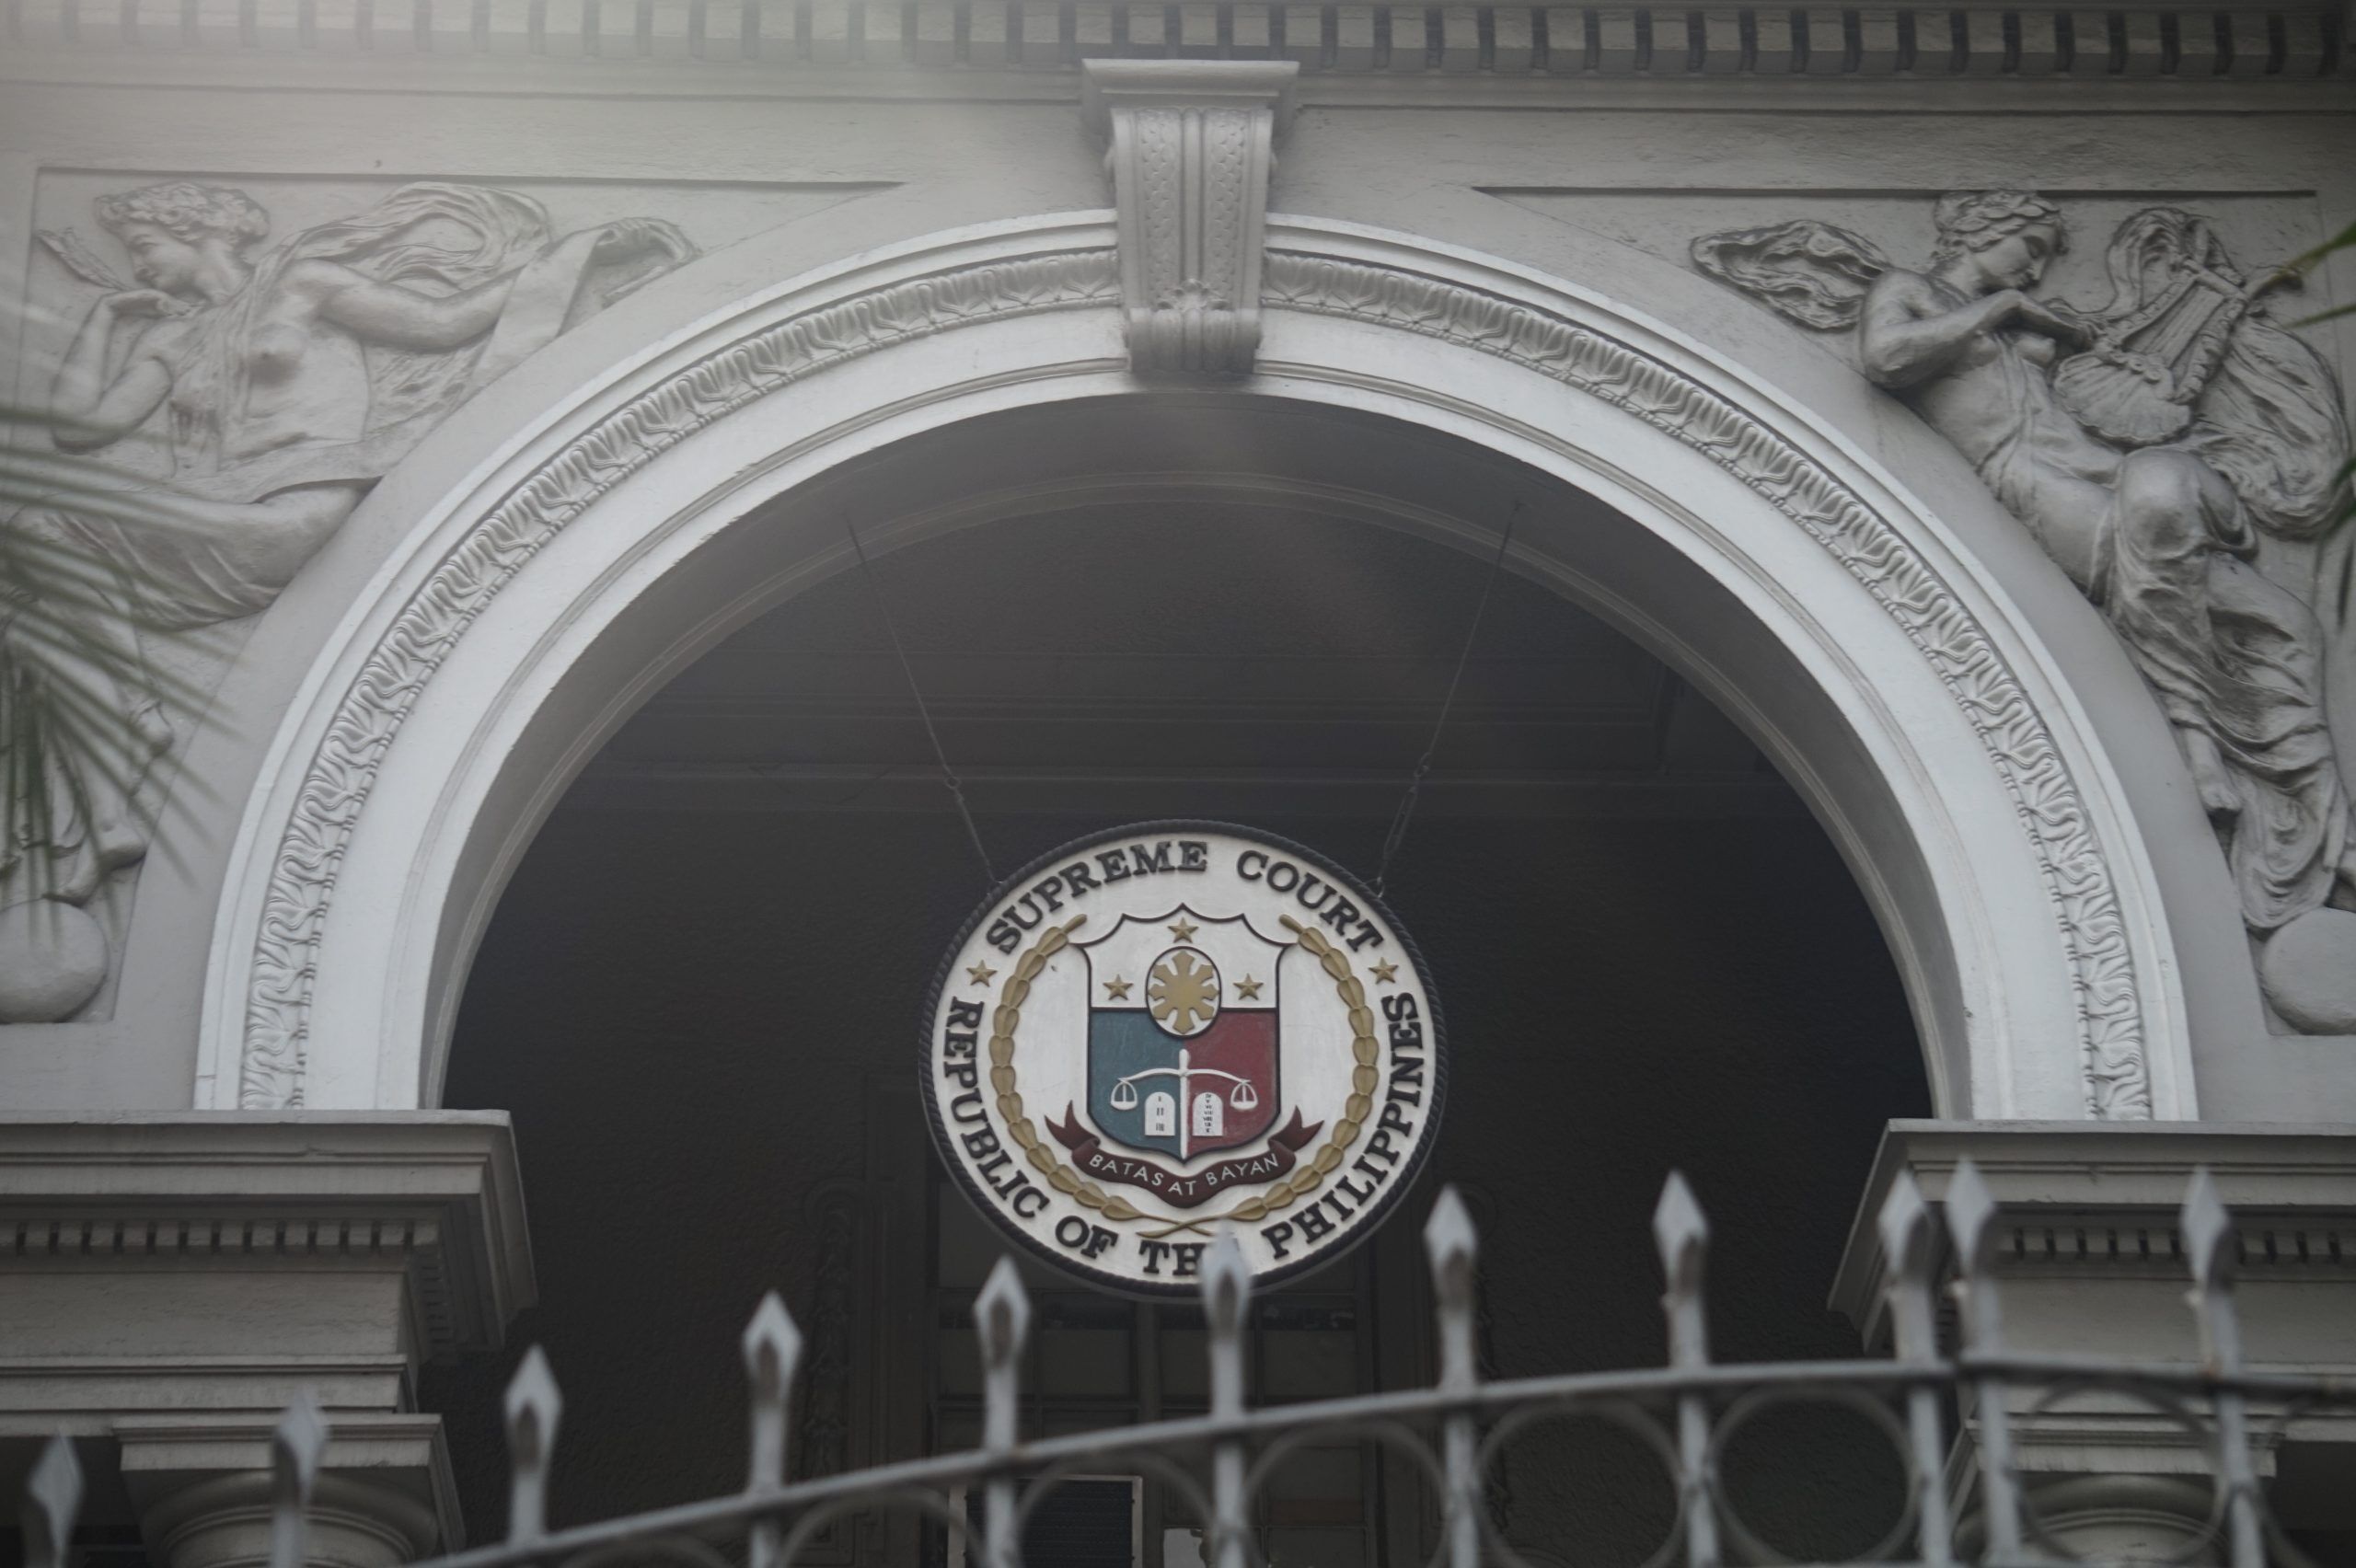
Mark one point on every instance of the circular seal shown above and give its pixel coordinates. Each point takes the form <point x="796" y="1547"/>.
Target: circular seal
<point x="1175" y="1028"/>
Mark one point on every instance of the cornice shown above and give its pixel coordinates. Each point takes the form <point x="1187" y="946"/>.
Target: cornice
<point x="2100" y="1199"/>
<point x="517" y="75"/>
<point x="2222" y="45"/>
<point x="436" y="1195"/>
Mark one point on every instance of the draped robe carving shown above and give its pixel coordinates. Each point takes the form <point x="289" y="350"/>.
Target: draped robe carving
<point x="282" y="386"/>
<point x="2174" y="452"/>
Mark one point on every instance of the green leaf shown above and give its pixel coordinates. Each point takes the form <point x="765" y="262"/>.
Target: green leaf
<point x="2330" y="314"/>
<point x="2306" y="261"/>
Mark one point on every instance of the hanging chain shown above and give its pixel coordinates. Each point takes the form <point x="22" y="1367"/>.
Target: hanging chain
<point x="948" y="774"/>
<point x="1399" y="819"/>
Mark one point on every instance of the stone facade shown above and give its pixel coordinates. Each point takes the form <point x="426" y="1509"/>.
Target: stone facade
<point x="1920" y="389"/>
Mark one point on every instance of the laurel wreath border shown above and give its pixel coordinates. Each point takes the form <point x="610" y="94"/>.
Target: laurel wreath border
<point x="1008" y="1017"/>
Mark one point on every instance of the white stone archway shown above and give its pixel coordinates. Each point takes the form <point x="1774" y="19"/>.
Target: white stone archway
<point x="555" y="586"/>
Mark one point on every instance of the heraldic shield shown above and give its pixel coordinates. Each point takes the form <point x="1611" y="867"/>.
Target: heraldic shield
<point x="1183" y="1049"/>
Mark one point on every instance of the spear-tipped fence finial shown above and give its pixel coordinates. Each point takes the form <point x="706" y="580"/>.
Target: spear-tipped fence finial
<point x="1226" y="1301"/>
<point x="1976" y="1228"/>
<point x="296" y="1445"/>
<point x="1002" y="1319"/>
<point x="1683" y="1236"/>
<point x="772" y="1351"/>
<point x="1972" y="1224"/>
<point x="1227" y="1297"/>
<point x="1910" y="1244"/>
<point x="53" y="1502"/>
<point x="1452" y="1244"/>
<point x="534" y="1406"/>
<point x="2212" y="1247"/>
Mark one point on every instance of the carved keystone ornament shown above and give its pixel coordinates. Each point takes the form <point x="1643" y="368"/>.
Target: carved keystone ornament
<point x="1178" y="1028"/>
<point x="1189" y="146"/>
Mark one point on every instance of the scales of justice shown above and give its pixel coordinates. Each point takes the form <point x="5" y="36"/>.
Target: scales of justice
<point x="1206" y="1116"/>
<point x="1176" y="1065"/>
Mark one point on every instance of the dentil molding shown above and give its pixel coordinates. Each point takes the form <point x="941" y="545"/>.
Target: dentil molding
<point x="2092" y="1260"/>
<point x="2049" y="803"/>
<point x="1190" y="147"/>
<point x="432" y="1199"/>
<point x="2273" y="47"/>
<point x="172" y="1281"/>
<point x="2087" y="1201"/>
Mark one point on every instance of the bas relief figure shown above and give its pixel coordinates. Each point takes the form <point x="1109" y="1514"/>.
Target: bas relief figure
<point x="2174" y="453"/>
<point x="281" y="382"/>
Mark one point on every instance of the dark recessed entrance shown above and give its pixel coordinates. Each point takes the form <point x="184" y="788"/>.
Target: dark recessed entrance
<point x="701" y="994"/>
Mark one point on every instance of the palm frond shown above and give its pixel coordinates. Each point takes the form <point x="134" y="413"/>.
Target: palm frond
<point x="85" y="715"/>
<point x="2306" y="261"/>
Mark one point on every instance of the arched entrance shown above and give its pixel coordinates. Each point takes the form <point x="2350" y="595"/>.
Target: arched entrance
<point x="701" y="994"/>
<point x="1766" y="563"/>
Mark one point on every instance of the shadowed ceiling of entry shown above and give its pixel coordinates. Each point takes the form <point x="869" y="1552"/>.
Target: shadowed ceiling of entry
<point x="1187" y="657"/>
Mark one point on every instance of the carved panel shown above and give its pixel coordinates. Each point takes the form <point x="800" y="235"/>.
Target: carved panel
<point x="2179" y="451"/>
<point x="229" y="367"/>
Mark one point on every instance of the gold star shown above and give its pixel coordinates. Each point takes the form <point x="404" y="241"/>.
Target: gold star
<point x="1183" y="931"/>
<point x="1117" y="990"/>
<point x="1248" y="988"/>
<point x="1386" y="973"/>
<point x="981" y="972"/>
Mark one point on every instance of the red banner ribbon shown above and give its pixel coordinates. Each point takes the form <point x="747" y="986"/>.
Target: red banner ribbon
<point x="1181" y="1190"/>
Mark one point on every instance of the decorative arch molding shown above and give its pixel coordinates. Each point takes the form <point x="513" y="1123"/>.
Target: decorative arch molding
<point x="2106" y="918"/>
<point x="342" y="770"/>
<point x="1990" y="693"/>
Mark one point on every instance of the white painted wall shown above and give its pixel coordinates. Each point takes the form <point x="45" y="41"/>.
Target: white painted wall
<point x="1594" y="191"/>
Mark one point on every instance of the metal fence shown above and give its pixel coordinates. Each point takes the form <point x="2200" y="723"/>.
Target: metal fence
<point x="1952" y="1421"/>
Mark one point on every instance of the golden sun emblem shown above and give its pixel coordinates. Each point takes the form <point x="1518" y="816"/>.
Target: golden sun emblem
<point x="1181" y="992"/>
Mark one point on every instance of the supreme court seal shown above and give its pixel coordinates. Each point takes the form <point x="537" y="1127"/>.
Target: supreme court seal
<point x="1174" y="1028"/>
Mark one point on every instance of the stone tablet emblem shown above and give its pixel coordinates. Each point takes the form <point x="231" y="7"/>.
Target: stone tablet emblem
<point x="1171" y="1029"/>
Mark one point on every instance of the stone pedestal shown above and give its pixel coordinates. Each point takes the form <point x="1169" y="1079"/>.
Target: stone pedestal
<point x="2091" y="1265"/>
<point x="173" y="1281"/>
<point x="2128" y="1519"/>
<point x="223" y="1522"/>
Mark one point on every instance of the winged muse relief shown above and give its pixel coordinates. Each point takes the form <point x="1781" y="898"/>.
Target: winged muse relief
<point x="2176" y="453"/>
<point x="278" y="383"/>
